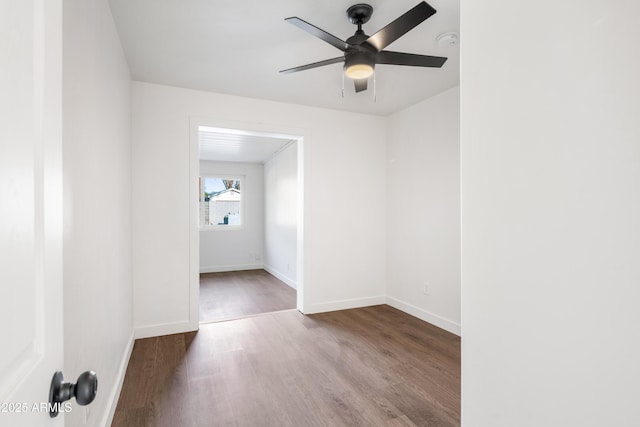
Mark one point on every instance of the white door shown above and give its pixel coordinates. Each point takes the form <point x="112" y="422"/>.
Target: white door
<point x="31" y="329"/>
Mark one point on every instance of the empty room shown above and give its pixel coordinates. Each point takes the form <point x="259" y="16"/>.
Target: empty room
<point x="445" y="192"/>
<point x="247" y="223"/>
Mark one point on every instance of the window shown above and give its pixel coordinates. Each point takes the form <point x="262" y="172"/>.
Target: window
<point x="221" y="201"/>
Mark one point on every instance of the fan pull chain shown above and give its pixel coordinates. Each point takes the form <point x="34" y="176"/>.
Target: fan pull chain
<point x="374" y="87"/>
<point x="343" y="84"/>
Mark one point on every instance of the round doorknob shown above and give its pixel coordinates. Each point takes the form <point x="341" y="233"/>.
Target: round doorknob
<point x="84" y="390"/>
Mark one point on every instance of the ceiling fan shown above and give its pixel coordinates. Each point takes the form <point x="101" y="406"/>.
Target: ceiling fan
<point x="363" y="52"/>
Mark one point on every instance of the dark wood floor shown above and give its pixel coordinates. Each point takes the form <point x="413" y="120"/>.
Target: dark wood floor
<point x="236" y="294"/>
<point x="373" y="366"/>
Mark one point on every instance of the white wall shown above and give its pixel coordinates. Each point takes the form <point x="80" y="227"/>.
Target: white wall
<point x="423" y="210"/>
<point x="98" y="300"/>
<point x="236" y="249"/>
<point x="344" y="263"/>
<point x="281" y="215"/>
<point x="550" y="162"/>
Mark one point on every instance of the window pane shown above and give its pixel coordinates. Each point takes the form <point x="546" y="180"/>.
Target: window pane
<point x="220" y="201"/>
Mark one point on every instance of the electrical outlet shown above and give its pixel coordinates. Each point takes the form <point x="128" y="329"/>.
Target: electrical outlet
<point x="427" y="288"/>
<point x="257" y="256"/>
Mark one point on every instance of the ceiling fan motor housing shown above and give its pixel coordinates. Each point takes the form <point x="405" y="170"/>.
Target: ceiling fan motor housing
<point x="359" y="53"/>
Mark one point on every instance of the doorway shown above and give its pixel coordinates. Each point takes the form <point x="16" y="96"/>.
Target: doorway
<point x="248" y="221"/>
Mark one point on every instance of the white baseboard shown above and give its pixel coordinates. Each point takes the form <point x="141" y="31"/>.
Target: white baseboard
<point x="425" y="315"/>
<point x="235" y="267"/>
<point x="345" y="304"/>
<point x="280" y="276"/>
<point x="112" y="403"/>
<point x="164" y="329"/>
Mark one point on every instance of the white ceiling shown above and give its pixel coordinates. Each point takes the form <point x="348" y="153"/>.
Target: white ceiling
<point x="238" y="47"/>
<point x="228" y="145"/>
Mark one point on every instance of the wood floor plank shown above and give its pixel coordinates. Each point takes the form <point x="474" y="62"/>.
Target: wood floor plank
<point x="172" y="398"/>
<point x="140" y="371"/>
<point x="363" y="367"/>
<point x="234" y="294"/>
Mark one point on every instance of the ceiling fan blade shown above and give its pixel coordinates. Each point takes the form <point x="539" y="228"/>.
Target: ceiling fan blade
<point x="314" y="65"/>
<point x="401" y="26"/>
<point x="321" y="34"/>
<point x="401" y="58"/>
<point x="361" y="84"/>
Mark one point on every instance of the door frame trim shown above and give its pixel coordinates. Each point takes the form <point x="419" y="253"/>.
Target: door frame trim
<point x="302" y="137"/>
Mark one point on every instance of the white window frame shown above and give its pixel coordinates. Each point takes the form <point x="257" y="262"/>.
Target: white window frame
<point x="243" y="189"/>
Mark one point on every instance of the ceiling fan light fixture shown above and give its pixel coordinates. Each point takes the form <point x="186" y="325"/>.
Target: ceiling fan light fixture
<point x="359" y="71"/>
<point x="359" y="65"/>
